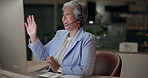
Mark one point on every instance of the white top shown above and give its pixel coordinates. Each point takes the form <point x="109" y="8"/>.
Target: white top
<point x="61" y="52"/>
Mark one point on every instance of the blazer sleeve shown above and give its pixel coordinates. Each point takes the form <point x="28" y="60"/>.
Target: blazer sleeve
<point x="87" y="61"/>
<point x="41" y="51"/>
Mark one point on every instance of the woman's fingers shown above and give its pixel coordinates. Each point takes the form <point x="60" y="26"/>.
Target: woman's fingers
<point x="33" y="20"/>
<point x="26" y="25"/>
<point x="32" y="17"/>
<point x="29" y="20"/>
<point x="52" y="63"/>
<point x="49" y="59"/>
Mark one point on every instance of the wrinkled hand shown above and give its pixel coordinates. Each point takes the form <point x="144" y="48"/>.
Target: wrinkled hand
<point x="53" y="63"/>
<point x="31" y="28"/>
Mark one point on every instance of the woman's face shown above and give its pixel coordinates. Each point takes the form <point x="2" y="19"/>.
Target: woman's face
<point x="68" y="18"/>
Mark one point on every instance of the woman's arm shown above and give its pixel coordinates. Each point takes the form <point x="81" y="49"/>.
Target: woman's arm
<point x="39" y="50"/>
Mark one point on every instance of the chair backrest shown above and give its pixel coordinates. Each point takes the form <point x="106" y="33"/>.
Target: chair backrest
<point x="107" y="64"/>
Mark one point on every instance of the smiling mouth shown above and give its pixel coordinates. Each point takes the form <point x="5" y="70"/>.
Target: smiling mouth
<point x="65" y="23"/>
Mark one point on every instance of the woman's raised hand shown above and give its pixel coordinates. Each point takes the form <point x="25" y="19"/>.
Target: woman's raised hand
<point x="31" y="28"/>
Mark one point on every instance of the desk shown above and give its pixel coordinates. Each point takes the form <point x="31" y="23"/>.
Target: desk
<point x="8" y="74"/>
<point x="54" y="75"/>
<point x="94" y="76"/>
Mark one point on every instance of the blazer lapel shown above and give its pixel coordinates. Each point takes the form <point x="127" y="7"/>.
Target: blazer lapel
<point x="76" y="39"/>
<point x="61" y="40"/>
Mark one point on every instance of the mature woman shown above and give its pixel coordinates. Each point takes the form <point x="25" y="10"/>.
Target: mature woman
<point x="72" y="51"/>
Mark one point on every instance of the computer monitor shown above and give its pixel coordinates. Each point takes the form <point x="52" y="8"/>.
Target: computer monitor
<point x="12" y="36"/>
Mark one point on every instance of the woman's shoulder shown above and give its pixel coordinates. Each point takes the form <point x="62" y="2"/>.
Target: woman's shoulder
<point x="88" y="35"/>
<point x="88" y="38"/>
<point x="61" y="32"/>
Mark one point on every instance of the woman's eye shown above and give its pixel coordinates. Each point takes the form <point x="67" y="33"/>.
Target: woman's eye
<point x="68" y="13"/>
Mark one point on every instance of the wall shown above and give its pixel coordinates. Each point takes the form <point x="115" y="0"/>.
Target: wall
<point x="134" y="65"/>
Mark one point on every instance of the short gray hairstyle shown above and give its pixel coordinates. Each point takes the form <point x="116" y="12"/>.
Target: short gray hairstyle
<point x="79" y="9"/>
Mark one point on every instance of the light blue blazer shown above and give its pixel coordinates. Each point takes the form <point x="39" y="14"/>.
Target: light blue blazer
<point x="79" y="58"/>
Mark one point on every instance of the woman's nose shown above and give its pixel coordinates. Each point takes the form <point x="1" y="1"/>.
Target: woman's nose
<point x="64" y="17"/>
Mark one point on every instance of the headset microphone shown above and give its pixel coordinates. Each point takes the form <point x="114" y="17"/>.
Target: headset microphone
<point x="71" y="23"/>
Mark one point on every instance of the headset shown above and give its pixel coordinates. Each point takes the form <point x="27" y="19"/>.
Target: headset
<point x="80" y="16"/>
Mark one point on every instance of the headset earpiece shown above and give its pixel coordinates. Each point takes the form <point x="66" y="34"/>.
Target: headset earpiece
<point x="80" y="16"/>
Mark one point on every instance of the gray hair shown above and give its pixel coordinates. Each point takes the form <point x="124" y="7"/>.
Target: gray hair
<point x="79" y="9"/>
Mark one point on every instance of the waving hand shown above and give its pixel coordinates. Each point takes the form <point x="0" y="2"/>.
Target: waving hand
<point x="31" y="27"/>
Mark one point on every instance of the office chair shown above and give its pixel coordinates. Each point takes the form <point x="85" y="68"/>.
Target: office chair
<point x="107" y="64"/>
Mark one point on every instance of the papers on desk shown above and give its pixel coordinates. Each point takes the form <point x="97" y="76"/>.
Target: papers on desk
<point x="71" y="76"/>
<point x="55" y="75"/>
<point x="46" y="75"/>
